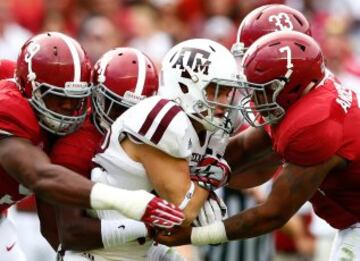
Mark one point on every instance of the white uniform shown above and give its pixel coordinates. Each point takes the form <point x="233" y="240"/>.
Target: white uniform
<point x="346" y="244"/>
<point x="155" y="121"/>
<point x="9" y="242"/>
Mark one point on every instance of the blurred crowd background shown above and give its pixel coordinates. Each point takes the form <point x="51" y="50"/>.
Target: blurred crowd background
<point x="154" y="26"/>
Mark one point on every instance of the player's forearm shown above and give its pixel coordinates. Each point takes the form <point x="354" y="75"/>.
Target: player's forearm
<point x="249" y="223"/>
<point x="192" y="209"/>
<point x="248" y="149"/>
<point x="48" y="226"/>
<point x="252" y="177"/>
<point x="59" y="185"/>
<point x="80" y="233"/>
<point x="254" y="222"/>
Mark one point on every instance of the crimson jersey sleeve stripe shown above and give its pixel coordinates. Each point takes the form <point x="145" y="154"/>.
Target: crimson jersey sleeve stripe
<point x="151" y="116"/>
<point x="164" y="123"/>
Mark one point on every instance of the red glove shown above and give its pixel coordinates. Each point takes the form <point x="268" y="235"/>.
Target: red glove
<point x="211" y="173"/>
<point x="160" y="213"/>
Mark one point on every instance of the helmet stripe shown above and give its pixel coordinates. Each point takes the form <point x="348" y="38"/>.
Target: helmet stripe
<point x="141" y="72"/>
<point x="75" y="55"/>
<point x="103" y="63"/>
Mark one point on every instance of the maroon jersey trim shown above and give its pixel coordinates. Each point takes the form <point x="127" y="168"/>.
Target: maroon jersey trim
<point x="164" y="123"/>
<point x="151" y="116"/>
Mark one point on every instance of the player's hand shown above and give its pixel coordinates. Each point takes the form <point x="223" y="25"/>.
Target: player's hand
<point x="211" y="173"/>
<point x="174" y="237"/>
<point x="162" y="214"/>
<point x="217" y="143"/>
<point x="213" y="210"/>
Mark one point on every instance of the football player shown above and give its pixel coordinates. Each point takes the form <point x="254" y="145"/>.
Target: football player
<point x="121" y="78"/>
<point x="310" y="120"/>
<point x="152" y="144"/>
<point x="48" y="97"/>
<point x="259" y="22"/>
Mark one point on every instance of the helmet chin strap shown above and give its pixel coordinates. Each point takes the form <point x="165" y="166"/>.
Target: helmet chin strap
<point x="211" y="124"/>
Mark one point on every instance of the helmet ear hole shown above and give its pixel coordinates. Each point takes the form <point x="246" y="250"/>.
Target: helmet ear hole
<point x="301" y="46"/>
<point x="298" y="19"/>
<point x="183" y="88"/>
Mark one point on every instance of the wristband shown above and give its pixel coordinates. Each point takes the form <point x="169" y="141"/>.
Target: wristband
<point x="188" y="196"/>
<point x="120" y="231"/>
<point x="210" y="234"/>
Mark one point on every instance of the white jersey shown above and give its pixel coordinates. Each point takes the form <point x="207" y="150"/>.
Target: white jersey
<point x="155" y="121"/>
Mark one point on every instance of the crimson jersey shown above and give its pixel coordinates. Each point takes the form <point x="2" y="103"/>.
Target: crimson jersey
<point x="17" y="118"/>
<point x="7" y="69"/>
<point x="324" y="123"/>
<point x="76" y="150"/>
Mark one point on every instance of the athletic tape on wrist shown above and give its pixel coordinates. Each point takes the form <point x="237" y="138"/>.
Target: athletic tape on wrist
<point x="210" y="234"/>
<point x="130" y="203"/>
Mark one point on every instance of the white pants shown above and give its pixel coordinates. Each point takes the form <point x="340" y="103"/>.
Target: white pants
<point x="155" y="253"/>
<point x="9" y="244"/>
<point x="77" y="256"/>
<point x="346" y="245"/>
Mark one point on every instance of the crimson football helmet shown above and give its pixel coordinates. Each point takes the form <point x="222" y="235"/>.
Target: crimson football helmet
<point x="280" y="68"/>
<point x="54" y="65"/>
<point x="267" y="19"/>
<point x="121" y="77"/>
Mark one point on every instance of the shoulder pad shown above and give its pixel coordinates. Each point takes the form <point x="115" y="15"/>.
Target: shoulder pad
<point x="160" y="123"/>
<point x="313" y="145"/>
<point x="312" y="131"/>
<point x="16" y="114"/>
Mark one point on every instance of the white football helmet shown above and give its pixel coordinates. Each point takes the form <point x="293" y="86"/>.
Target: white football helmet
<point x="189" y="68"/>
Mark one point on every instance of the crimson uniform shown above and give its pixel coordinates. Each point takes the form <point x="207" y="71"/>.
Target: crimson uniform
<point x="324" y="123"/>
<point x="17" y="118"/>
<point x="76" y="150"/>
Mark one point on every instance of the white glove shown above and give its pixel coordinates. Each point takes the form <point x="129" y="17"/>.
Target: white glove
<point x="163" y="253"/>
<point x="213" y="210"/>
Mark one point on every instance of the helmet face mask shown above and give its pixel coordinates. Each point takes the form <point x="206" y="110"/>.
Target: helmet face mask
<point x="50" y="117"/>
<point x="280" y="67"/>
<point x="194" y="69"/>
<point x="107" y="106"/>
<point x="259" y="106"/>
<point x="121" y="77"/>
<point x="54" y="65"/>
